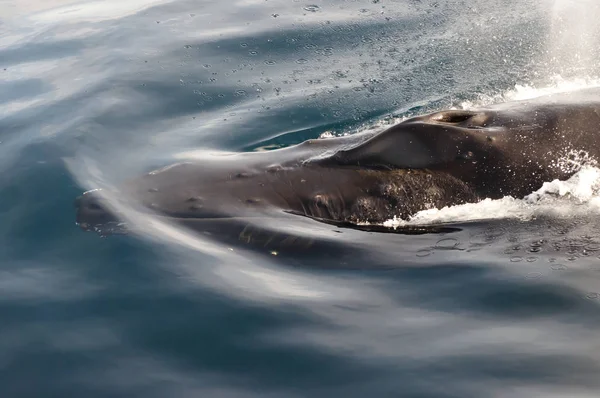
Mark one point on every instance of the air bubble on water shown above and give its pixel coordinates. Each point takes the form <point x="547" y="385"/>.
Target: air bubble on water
<point x="558" y="267"/>
<point x="480" y="239"/>
<point x="534" y="275"/>
<point x="447" y="243"/>
<point x="424" y="252"/>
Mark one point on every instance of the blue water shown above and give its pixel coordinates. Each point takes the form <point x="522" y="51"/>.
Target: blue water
<point x="97" y="91"/>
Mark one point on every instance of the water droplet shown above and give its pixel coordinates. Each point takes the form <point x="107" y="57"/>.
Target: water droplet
<point x="312" y="8"/>
<point x="481" y="239"/>
<point x="240" y="93"/>
<point x="447" y="243"/>
<point x="301" y="61"/>
<point x="592" y="296"/>
<point x="592" y="247"/>
<point x="558" y="267"/>
<point x="534" y="275"/>
<point x="243" y="45"/>
<point x="512" y="250"/>
<point x="270" y="62"/>
<point x="467" y="155"/>
<point x="516" y="259"/>
<point x="424" y="252"/>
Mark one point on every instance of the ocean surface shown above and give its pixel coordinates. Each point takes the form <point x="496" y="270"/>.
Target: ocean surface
<point x="95" y="92"/>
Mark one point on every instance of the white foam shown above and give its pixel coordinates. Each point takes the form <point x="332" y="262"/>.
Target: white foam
<point x="578" y="195"/>
<point x="555" y="85"/>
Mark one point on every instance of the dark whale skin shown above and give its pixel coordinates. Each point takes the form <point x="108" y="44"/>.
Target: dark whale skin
<point x="430" y="161"/>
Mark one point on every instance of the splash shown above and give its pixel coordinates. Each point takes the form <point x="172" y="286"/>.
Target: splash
<point x="555" y="84"/>
<point x="572" y="45"/>
<point x="582" y="188"/>
<point x="578" y="195"/>
<point x="573" y="160"/>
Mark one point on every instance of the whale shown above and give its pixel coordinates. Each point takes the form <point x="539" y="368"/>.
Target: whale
<point x="433" y="160"/>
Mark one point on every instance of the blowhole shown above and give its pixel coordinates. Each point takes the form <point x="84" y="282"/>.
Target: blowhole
<point x="457" y="116"/>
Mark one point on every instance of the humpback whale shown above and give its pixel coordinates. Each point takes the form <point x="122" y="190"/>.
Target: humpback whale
<point x="434" y="160"/>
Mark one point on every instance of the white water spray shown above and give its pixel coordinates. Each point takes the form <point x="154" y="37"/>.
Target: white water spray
<point x="574" y="39"/>
<point x="579" y="195"/>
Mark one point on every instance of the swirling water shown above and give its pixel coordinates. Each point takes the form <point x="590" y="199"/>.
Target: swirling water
<point x="93" y="92"/>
